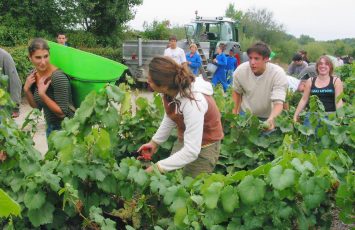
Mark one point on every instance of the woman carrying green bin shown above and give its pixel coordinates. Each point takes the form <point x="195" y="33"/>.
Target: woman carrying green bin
<point x="47" y="87"/>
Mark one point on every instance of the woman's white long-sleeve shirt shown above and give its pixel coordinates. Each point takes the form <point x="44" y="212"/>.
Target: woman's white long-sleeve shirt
<point x="193" y="112"/>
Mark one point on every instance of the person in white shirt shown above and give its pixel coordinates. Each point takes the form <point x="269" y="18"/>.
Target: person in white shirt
<point x="340" y="62"/>
<point x="190" y="107"/>
<point x="176" y="53"/>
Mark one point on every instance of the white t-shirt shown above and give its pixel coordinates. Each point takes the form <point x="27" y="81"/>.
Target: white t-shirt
<point x="177" y="54"/>
<point x="293" y="83"/>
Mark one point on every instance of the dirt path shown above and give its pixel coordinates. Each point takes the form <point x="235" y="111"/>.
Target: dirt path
<point x="40" y="135"/>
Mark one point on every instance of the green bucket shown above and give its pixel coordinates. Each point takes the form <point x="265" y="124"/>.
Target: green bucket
<point x="87" y="71"/>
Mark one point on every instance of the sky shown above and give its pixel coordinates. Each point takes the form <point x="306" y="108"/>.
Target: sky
<point x="321" y="19"/>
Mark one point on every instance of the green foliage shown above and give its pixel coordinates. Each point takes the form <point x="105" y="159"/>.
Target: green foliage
<point x="12" y="36"/>
<point x="105" y="18"/>
<point x="110" y="53"/>
<point x="260" y="25"/>
<point x="285" y="180"/>
<point x="156" y="30"/>
<point x="23" y="65"/>
<point x="8" y="206"/>
<point x="305" y="39"/>
<point x="233" y="13"/>
<point x="81" y="39"/>
<point x="30" y="15"/>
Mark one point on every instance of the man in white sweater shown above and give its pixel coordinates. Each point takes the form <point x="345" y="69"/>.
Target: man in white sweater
<point x="260" y="86"/>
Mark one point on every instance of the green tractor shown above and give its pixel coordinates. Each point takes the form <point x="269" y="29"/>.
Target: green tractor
<point x="213" y="31"/>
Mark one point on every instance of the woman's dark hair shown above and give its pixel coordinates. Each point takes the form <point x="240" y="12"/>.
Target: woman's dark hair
<point x="37" y="44"/>
<point x="297" y="57"/>
<point x="260" y="48"/>
<point x="164" y="71"/>
<point x="328" y="62"/>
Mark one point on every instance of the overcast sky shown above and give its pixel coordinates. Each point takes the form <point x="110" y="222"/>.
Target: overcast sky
<point x="320" y="19"/>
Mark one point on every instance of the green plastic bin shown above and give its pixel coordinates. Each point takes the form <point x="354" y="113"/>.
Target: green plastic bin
<point x="87" y="71"/>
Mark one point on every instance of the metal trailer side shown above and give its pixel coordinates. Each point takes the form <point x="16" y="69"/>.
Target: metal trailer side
<point x="137" y="54"/>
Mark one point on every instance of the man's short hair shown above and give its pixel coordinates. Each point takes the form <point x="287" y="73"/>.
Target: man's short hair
<point x="172" y="38"/>
<point x="260" y="48"/>
<point x="297" y="57"/>
<point x="61" y="33"/>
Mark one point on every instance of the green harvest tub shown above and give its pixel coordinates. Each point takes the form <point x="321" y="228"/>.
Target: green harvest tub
<point x="87" y="71"/>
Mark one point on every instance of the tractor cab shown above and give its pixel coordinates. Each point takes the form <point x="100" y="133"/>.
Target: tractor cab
<point x="214" y="30"/>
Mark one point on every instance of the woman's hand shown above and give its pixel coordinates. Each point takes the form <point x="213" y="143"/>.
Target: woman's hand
<point x="151" y="147"/>
<point x="3" y="156"/>
<point x="296" y="118"/>
<point x="149" y="169"/>
<point x="271" y="124"/>
<point x="43" y="85"/>
<point x="29" y="82"/>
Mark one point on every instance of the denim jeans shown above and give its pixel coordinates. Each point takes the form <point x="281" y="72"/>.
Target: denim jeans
<point x="51" y="128"/>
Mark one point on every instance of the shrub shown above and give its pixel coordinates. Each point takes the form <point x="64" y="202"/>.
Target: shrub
<point x="108" y="52"/>
<point x="10" y="36"/>
<point x="81" y="39"/>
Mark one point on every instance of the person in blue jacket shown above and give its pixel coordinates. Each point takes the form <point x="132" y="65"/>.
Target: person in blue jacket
<point x="193" y="59"/>
<point x="221" y="62"/>
<point x="231" y="66"/>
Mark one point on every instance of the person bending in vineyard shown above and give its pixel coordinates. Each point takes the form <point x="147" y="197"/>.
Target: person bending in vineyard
<point x="47" y="87"/>
<point x="326" y="86"/>
<point x="190" y="107"/>
<point x="259" y="86"/>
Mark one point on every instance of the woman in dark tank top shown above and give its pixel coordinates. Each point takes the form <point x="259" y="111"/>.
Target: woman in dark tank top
<point x="324" y="85"/>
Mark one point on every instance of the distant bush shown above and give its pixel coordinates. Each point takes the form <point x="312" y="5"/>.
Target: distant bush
<point x="79" y="39"/>
<point x="11" y="36"/>
<point x="110" y="53"/>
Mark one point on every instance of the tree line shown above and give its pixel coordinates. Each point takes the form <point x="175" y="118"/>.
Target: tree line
<point x="99" y="20"/>
<point x="103" y="23"/>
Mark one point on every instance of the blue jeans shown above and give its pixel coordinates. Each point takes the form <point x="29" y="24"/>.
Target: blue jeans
<point x="51" y="128"/>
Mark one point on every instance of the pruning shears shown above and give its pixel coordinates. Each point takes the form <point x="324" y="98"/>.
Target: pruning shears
<point x="144" y="155"/>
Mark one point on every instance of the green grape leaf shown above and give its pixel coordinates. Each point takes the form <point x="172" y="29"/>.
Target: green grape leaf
<point x="34" y="199"/>
<point x="229" y="198"/>
<point x="281" y="179"/>
<point x="42" y="215"/>
<point x="211" y="194"/>
<point x="251" y="190"/>
<point x="8" y="206"/>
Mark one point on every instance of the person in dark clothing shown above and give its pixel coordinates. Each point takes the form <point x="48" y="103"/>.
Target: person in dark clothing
<point x="326" y="86"/>
<point x="304" y="56"/>
<point x="297" y="65"/>
<point x="47" y="87"/>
